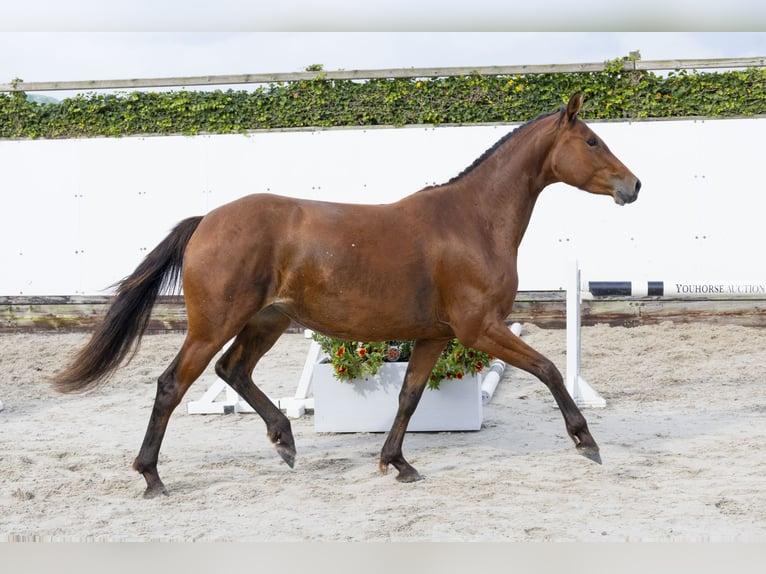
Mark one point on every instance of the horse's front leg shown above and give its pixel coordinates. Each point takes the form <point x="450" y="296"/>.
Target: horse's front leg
<point x="422" y="361"/>
<point x="498" y="340"/>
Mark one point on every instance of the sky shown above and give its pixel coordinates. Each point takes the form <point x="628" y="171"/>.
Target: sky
<point x="51" y="40"/>
<point x="405" y="15"/>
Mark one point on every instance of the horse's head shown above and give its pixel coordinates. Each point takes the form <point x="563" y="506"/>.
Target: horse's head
<point x="580" y="158"/>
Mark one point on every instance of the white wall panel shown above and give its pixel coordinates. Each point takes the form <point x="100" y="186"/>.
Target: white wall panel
<point x="78" y="215"/>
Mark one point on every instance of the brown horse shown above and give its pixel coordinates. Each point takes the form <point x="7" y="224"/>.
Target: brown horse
<point x="254" y="265"/>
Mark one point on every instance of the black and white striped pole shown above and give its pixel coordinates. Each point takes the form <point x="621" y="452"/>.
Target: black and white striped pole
<point x="581" y="391"/>
<point x="676" y="288"/>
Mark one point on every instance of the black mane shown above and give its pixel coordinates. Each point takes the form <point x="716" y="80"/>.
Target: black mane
<point x="494" y="148"/>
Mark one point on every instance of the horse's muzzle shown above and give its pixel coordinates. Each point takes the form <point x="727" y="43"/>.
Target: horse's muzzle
<point x="622" y="195"/>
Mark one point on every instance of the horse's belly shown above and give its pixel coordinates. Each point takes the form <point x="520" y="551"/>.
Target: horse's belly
<point x="363" y="319"/>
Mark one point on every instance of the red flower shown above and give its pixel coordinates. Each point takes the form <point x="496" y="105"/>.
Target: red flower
<point x="362" y="351"/>
<point x="341" y="351"/>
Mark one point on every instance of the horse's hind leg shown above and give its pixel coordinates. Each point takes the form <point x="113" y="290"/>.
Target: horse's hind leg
<point x="422" y="361"/>
<point x="236" y="368"/>
<point x="171" y="387"/>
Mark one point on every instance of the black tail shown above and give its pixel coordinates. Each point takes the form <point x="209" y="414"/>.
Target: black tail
<point x="127" y="317"/>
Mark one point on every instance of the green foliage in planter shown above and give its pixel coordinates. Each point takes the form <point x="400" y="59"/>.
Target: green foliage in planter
<point x="611" y="94"/>
<point x="353" y="360"/>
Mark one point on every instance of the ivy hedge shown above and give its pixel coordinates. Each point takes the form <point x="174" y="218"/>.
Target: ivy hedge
<point x="611" y="94"/>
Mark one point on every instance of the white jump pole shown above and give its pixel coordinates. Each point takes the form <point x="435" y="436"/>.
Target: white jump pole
<point x="496" y="369"/>
<point x="583" y="394"/>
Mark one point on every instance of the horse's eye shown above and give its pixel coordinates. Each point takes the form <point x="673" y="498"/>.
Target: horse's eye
<point x="592" y="142"/>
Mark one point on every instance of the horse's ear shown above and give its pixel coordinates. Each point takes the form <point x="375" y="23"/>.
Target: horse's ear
<point x="573" y="107"/>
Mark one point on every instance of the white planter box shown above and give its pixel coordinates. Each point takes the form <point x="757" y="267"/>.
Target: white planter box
<point x="370" y="405"/>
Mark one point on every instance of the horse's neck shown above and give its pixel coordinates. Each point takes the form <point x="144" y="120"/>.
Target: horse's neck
<point x="505" y="186"/>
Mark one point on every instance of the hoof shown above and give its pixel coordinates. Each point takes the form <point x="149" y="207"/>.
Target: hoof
<point x="406" y="474"/>
<point x="287" y="454"/>
<point x="591" y="453"/>
<point x="409" y="475"/>
<point x="155" y="491"/>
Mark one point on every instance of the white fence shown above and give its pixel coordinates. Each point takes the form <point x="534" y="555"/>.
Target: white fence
<point x="78" y="215"/>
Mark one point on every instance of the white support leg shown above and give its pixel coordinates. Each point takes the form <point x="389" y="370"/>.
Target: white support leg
<point x="582" y="393"/>
<point x="211" y="402"/>
<point x="296" y="406"/>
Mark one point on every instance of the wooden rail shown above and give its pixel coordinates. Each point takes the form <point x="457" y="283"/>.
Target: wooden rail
<point x="546" y="309"/>
<point x="223" y="80"/>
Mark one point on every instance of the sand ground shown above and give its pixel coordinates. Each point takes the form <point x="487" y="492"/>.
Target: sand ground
<point x="683" y="440"/>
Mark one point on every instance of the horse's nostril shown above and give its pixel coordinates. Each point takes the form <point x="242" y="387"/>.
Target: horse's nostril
<point x="638" y="185"/>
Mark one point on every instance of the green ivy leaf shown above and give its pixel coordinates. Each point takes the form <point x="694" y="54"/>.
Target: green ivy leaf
<point x="611" y="94"/>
